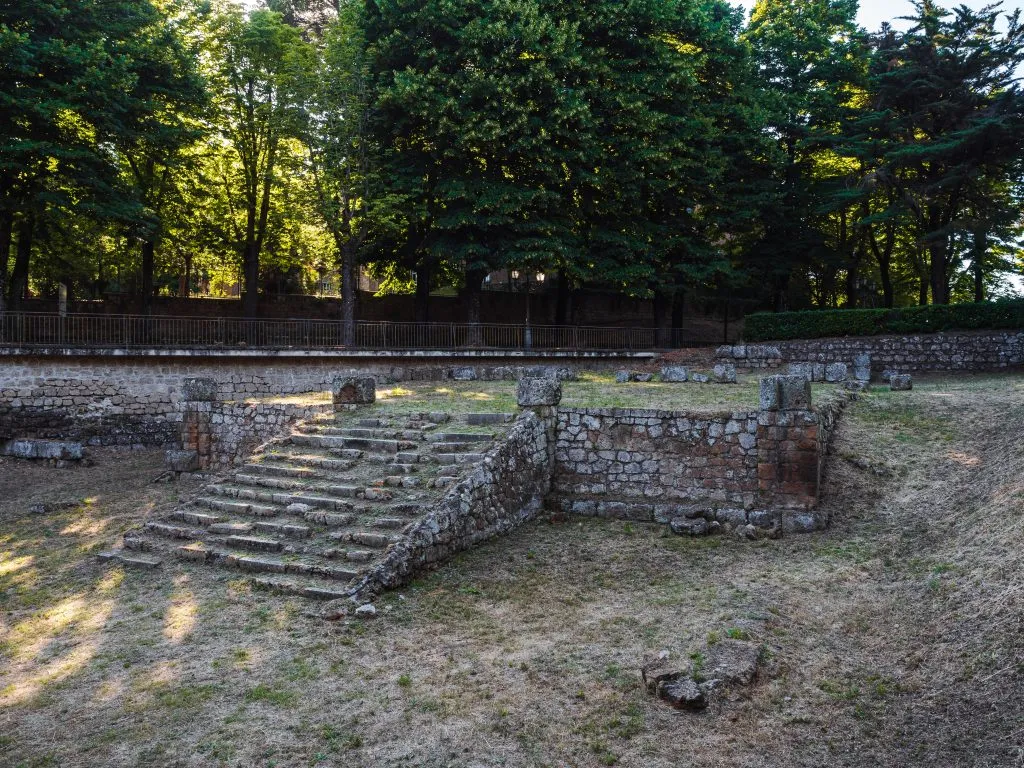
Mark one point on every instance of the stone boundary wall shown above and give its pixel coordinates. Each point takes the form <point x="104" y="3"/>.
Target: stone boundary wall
<point x="618" y="462"/>
<point x="128" y="399"/>
<point x="917" y="353"/>
<point x="762" y="466"/>
<point x="226" y="434"/>
<point x="505" y="490"/>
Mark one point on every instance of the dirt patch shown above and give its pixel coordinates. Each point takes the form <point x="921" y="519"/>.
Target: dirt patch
<point x="892" y="639"/>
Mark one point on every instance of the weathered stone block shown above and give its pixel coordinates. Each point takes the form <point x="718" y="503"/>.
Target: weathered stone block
<point x="535" y="393"/>
<point x="674" y="373"/>
<point x="199" y="390"/>
<point x="725" y="373"/>
<point x="43" y="449"/>
<point x="794" y="393"/>
<point x="700" y="378"/>
<point x="464" y="373"/>
<point x="862" y="367"/>
<point x="901" y="382"/>
<point x="836" y="372"/>
<point x="355" y="390"/>
<point x="621" y="377"/>
<point x="641" y="377"/>
<point x="181" y="461"/>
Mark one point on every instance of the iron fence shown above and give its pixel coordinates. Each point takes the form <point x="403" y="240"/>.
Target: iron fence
<point x="26" y="329"/>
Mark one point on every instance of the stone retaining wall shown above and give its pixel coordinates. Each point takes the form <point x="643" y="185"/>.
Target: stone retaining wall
<point x="501" y="493"/>
<point x="226" y="434"/>
<point x="621" y="462"/>
<point x="918" y="353"/>
<point x="763" y="466"/>
<point x="135" y="399"/>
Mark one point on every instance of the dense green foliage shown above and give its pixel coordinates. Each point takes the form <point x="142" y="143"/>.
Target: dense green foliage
<point x="666" y="149"/>
<point x="989" y="315"/>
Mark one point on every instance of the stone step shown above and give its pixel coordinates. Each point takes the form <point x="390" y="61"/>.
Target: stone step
<point x="285" y="530"/>
<point x="412" y="435"/>
<point x="443" y="448"/>
<point x="254" y="543"/>
<point x="487" y="419"/>
<point x="314" y="462"/>
<point x="388" y="522"/>
<point x="366" y="539"/>
<point x="354" y="443"/>
<point x="236" y="507"/>
<point x="298" y="589"/>
<point x="195" y="518"/>
<point x="280" y="483"/>
<point x="132" y="561"/>
<point x="407" y="458"/>
<point x="443" y="481"/>
<point x="171" y="531"/>
<point x="220" y="558"/>
<point x="282" y="470"/>
<point x="465" y="437"/>
<point x="458" y="458"/>
<point x="137" y="543"/>
<point x="401" y="481"/>
<point x="231" y="529"/>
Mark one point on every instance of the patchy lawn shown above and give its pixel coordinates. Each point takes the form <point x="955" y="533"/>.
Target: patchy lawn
<point x="896" y="638"/>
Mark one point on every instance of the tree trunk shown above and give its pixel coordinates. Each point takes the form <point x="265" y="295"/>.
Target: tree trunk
<point x="852" y="275"/>
<point x="885" y="270"/>
<point x="474" y="279"/>
<point x="662" y="307"/>
<point x="422" y="301"/>
<point x="939" y="278"/>
<point x="19" y="278"/>
<point x="188" y="275"/>
<point x="978" y="264"/>
<point x="562" y="299"/>
<point x="6" y="232"/>
<point x="922" y="290"/>
<point x="678" y="313"/>
<point x="348" y="294"/>
<point x="148" y="257"/>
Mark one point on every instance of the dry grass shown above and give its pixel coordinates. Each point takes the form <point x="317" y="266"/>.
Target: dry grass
<point x="894" y="639"/>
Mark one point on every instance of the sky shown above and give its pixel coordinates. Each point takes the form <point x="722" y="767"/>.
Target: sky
<point x="874" y="12"/>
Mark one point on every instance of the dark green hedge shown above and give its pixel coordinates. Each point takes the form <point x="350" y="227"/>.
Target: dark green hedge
<point x="816" y="324"/>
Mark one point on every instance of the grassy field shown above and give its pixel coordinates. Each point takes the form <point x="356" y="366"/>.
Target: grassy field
<point x="896" y="638"/>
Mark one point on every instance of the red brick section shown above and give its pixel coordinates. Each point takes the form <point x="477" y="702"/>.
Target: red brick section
<point x="790" y="453"/>
<point x="196" y="434"/>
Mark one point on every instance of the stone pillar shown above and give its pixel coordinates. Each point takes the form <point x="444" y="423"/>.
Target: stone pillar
<point x="788" y="448"/>
<point x="542" y="395"/>
<point x="354" y="391"/>
<point x="198" y="396"/>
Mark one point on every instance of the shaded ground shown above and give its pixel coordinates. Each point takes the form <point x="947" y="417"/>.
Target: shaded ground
<point x="896" y="638"/>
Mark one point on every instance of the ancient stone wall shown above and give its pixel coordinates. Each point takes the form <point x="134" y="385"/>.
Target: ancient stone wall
<point x="950" y="351"/>
<point x="501" y="493"/>
<point x="225" y="434"/>
<point x="615" y="462"/>
<point x="761" y="467"/>
<point x="136" y="399"/>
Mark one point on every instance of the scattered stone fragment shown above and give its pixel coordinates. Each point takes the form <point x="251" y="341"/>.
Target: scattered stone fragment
<point x="725" y="373"/>
<point x="734" y="662"/>
<point x="181" y="461"/>
<point x="684" y="526"/>
<point x="366" y="611"/>
<point x="674" y="373"/>
<point x="298" y="509"/>
<point x="684" y="693"/>
<point x="700" y="378"/>
<point x="901" y="382"/>
<point x="621" y="377"/>
<point x="641" y="377"/>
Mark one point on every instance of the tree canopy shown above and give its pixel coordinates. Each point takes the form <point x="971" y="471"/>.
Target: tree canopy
<point x="662" y="149"/>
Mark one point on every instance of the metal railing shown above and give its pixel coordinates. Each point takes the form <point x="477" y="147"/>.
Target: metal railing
<point x="26" y="329"/>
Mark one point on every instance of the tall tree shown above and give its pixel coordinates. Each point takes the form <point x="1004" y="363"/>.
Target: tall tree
<point x="949" y="110"/>
<point x="262" y="74"/>
<point x="810" y="58"/>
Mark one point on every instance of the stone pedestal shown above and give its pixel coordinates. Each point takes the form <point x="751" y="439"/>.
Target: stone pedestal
<point x="355" y="390"/>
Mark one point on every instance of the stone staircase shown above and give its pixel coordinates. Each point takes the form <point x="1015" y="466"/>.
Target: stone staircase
<point x="314" y="510"/>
